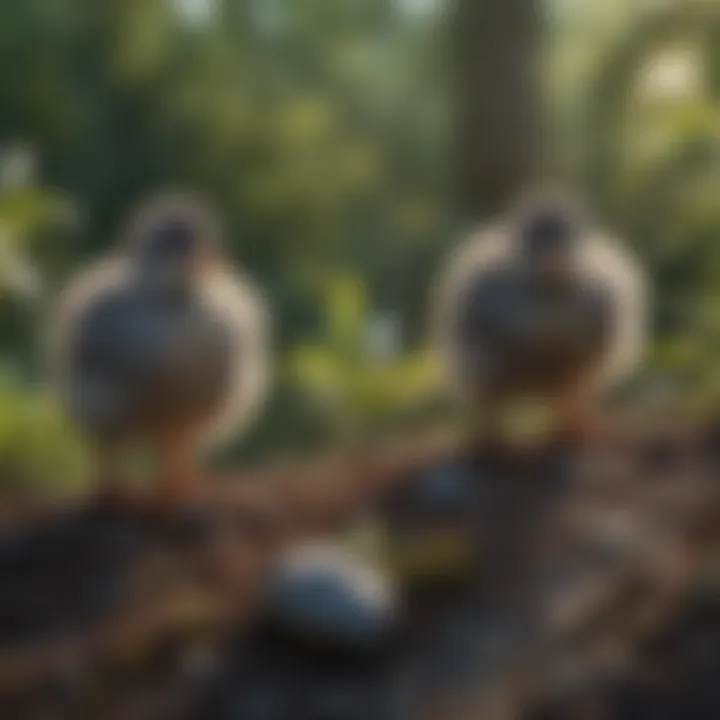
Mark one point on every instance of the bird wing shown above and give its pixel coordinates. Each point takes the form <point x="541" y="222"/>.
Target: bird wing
<point x="607" y="263"/>
<point x="240" y="306"/>
<point x="487" y="249"/>
<point x="87" y="395"/>
<point x="604" y="262"/>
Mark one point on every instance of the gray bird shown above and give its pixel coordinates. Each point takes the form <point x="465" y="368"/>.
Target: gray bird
<point x="541" y="304"/>
<point x="161" y="345"/>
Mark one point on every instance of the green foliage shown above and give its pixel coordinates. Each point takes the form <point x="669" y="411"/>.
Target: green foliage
<point x="647" y="114"/>
<point x="315" y="126"/>
<point x="33" y="223"/>
<point x="357" y="389"/>
<point x="39" y="450"/>
<point x="322" y="129"/>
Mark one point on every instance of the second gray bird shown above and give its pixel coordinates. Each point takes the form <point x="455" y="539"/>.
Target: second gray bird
<point x="161" y="345"/>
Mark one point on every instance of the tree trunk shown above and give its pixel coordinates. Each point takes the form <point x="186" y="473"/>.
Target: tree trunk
<point x="497" y="57"/>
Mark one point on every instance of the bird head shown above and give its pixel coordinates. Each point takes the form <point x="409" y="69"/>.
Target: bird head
<point x="550" y="230"/>
<point x="175" y="239"/>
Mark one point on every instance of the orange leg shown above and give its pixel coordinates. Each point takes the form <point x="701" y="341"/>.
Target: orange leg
<point x="578" y="419"/>
<point x="179" y="479"/>
<point x="112" y="489"/>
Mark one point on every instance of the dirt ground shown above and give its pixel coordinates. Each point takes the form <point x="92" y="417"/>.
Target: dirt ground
<point x="594" y="593"/>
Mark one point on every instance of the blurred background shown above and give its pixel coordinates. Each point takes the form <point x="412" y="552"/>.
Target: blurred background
<point x="349" y="145"/>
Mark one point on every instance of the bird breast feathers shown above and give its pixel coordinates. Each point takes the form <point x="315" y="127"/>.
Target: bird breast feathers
<point x="230" y="297"/>
<point x="603" y="263"/>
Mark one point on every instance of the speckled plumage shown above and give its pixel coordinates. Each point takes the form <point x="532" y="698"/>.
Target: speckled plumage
<point x="502" y="335"/>
<point x="128" y="363"/>
<point x="137" y="362"/>
<point x="539" y="341"/>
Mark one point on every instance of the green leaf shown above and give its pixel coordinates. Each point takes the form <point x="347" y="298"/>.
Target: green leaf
<point x="347" y="308"/>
